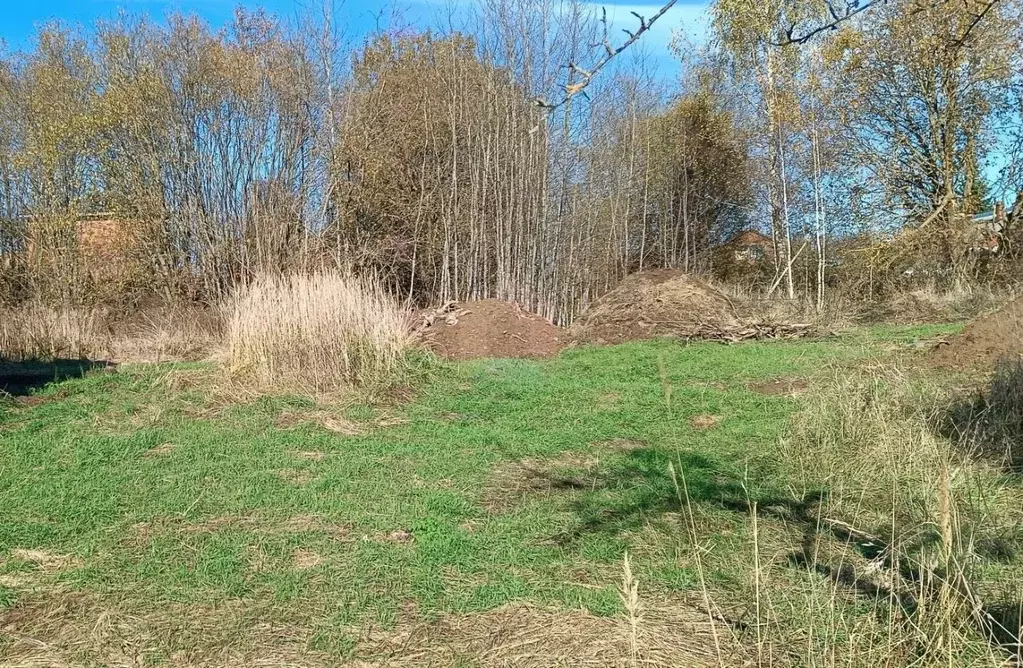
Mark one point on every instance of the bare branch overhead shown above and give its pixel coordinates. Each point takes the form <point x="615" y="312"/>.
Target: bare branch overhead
<point x="572" y="89"/>
<point x="852" y="8"/>
<point x="838" y="16"/>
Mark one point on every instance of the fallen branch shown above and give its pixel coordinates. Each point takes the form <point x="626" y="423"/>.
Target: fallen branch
<point x="749" y="332"/>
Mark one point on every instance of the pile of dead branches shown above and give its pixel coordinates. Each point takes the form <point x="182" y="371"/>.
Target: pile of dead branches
<point x="449" y="312"/>
<point x="749" y="332"/>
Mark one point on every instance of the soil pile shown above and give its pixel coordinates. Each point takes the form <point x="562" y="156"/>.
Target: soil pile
<point x="489" y="328"/>
<point x="984" y="341"/>
<point x="650" y="304"/>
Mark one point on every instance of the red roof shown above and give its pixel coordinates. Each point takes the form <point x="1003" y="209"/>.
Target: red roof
<point x="750" y="238"/>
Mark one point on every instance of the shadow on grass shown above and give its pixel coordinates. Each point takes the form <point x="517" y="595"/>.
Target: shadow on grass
<point x="638" y="488"/>
<point x="22" y="378"/>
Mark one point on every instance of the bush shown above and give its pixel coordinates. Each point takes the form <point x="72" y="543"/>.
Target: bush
<point x="325" y="331"/>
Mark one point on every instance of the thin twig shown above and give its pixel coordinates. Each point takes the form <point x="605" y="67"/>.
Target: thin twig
<point x="571" y="90"/>
<point x="855" y="7"/>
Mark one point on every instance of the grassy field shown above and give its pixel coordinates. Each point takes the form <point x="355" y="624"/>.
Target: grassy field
<point x="147" y="516"/>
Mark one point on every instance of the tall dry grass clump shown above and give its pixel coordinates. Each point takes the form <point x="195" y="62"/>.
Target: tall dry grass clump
<point x="896" y="544"/>
<point x="869" y="439"/>
<point x="324" y="331"/>
<point x="993" y="421"/>
<point x="36" y="331"/>
<point x="911" y="530"/>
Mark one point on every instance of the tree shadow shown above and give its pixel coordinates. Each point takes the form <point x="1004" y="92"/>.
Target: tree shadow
<point x="21" y="379"/>
<point x="805" y="514"/>
<point x="638" y="488"/>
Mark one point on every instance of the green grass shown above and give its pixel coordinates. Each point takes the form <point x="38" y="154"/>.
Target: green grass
<point x="218" y="515"/>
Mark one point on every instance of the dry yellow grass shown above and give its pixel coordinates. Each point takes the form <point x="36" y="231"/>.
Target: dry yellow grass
<point x="71" y="628"/>
<point x="38" y="331"/>
<point x="323" y="331"/>
<point x="901" y="528"/>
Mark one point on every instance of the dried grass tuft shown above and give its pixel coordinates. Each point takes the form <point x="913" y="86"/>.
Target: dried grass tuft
<point x="673" y="633"/>
<point x="324" y="331"/>
<point x="35" y="331"/>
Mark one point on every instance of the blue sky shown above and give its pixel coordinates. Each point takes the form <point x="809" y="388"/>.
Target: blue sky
<point x="20" y="18"/>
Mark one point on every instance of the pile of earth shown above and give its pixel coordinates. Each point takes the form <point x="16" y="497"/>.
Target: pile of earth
<point x="489" y="328"/>
<point x="985" y="341"/>
<point x="651" y="304"/>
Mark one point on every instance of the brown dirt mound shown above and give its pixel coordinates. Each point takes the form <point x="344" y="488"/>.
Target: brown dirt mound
<point x="984" y="341"/>
<point x="489" y="328"/>
<point x="650" y="304"/>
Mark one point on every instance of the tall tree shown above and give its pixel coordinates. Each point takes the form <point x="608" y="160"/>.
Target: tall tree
<point x="920" y="105"/>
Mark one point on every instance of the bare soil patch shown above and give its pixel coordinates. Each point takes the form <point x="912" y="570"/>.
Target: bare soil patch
<point x="401" y="536"/>
<point x="704" y="421"/>
<point x="489" y="328"/>
<point x="984" y="342"/>
<point x="303" y="559"/>
<point x="514" y="482"/>
<point x="788" y="387"/>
